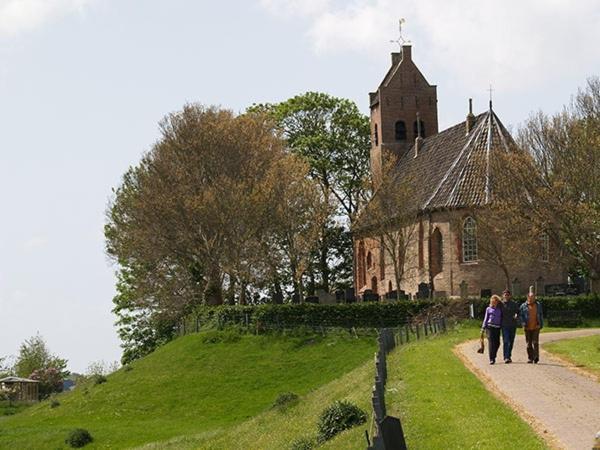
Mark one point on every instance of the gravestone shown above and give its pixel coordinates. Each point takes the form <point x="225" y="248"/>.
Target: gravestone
<point x="464" y="289"/>
<point x="486" y="293"/>
<point x="350" y="295"/>
<point x="370" y="296"/>
<point x="325" y="297"/>
<point x="392" y="295"/>
<point x="423" y="290"/>
<point x="339" y="296"/>
<point x="311" y="299"/>
<point x="296" y="298"/>
<point x="278" y="298"/>
<point x="515" y="289"/>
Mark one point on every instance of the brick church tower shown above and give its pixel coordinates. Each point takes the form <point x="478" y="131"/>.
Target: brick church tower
<point x="403" y="95"/>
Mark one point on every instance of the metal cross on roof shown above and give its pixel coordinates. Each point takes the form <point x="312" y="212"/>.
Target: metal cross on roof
<point x="400" y="41"/>
<point x="490" y="91"/>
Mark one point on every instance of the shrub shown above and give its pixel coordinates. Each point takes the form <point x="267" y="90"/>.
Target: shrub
<point x="98" y="379"/>
<point x="337" y="417"/>
<point x="303" y="443"/>
<point x="285" y="399"/>
<point x="78" y="438"/>
<point x="54" y="403"/>
<point x="217" y="336"/>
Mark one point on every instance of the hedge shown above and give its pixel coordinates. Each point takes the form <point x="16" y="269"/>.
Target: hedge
<point x="367" y="315"/>
<point x="587" y="305"/>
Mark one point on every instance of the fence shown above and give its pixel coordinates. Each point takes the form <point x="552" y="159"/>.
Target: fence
<point x="388" y="433"/>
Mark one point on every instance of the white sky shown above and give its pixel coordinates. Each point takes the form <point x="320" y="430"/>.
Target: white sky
<point x="83" y="84"/>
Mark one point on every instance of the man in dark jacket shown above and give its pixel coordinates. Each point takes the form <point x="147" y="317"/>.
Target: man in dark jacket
<point x="532" y="320"/>
<point x="510" y="322"/>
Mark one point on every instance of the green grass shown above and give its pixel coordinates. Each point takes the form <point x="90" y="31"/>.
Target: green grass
<point x="583" y="352"/>
<point x="200" y="383"/>
<point x="441" y="405"/>
<point x="7" y="409"/>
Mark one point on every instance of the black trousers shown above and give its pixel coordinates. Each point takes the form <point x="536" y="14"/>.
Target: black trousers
<point x="532" y="337"/>
<point x="493" y="336"/>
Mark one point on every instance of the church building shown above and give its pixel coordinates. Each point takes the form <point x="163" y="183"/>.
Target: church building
<point x="445" y="256"/>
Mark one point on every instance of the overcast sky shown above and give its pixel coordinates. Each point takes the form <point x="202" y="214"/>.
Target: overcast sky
<point x="83" y="84"/>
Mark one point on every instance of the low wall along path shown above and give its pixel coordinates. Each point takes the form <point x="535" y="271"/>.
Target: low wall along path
<point x="561" y="404"/>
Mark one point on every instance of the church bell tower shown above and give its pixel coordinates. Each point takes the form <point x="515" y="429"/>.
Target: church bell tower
<point x="403" y="106"/>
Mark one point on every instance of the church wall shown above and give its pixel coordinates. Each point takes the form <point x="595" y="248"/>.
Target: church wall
<point x="478" y="275"/>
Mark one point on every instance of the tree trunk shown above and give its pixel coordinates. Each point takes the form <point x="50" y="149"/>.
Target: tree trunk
<point x="243" y="293"/>
<point x="323" y="266"/>
<point x="213" y="293"/>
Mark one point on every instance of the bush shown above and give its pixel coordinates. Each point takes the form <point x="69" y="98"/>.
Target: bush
<point x="78" y="438"/>
<point x="54" y="403"/>
<point x="285" y="399"/>
<point x="98" y="379"/>
<point x="337" y="417"/>
<point x="221" y="336"/>
<point x="303" y="443"/>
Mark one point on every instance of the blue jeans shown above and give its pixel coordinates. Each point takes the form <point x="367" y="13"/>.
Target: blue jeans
<point x="508" y="340"/>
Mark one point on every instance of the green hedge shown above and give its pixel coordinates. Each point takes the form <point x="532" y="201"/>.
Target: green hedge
<point x="366" y="315"/>
<point x="588" y="305"/>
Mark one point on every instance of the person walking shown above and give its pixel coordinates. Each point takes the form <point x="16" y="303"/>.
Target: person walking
<point x="492" y="322"/>
<point x="532" y="319"/>
<point x="510" y="322"/>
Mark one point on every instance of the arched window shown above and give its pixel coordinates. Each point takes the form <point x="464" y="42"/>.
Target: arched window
<point x="389" y="286"/>
<point x="416" y="128"/>
<point x="382" y="262"/>
<point x="369" y="260"/>
<point x="362" y="273"/>
<point x="374" y="284"/>
<point x="400" y="129"/>
<point x="376" y="135"/>
<point x="437" y="256"/>
<point x="545" y="247"/>
<point x="421" y="257"/>
<point x="469" y="240"/>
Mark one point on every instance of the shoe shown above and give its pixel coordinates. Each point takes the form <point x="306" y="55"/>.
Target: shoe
<point x="529" y="361"/>
<point x="492" y="362"/>
<point x="536" y="360"/>
<point x="509" y="360"/>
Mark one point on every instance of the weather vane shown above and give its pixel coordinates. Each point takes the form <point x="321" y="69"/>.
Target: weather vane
<point x="400" y="41"/>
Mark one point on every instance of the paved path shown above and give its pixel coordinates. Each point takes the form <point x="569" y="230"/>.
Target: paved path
<point x="564" y="407"/>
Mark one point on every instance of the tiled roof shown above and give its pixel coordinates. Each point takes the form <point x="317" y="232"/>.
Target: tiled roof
<point x="452" y="168"/>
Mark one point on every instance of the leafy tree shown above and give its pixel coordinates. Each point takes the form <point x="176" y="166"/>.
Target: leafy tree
<point x="50" y="381"/>
<point x="334" y="138"/>
<point x="5" y="370"/>
<point x="34" y="355"/>
<point x="201" y="218"/>
<point x="391" y="217"/>
<point x="562" y="177"/>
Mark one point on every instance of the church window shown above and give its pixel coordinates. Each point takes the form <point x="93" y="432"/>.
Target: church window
<point x="416" y="128"/>
<point x="437" y="256"/>
<point x="421" y="258"/>
<point x="545" y="247"/>
<point x="376" y="136"/>
<point x="369" y="260"/>
<point x="400" y="129"/>
<point x="362" y="274"/>
<point x="389" y="286"/>
<point x="469" y="240"/>
<point x="374" y="284"/>
<point x="381" y="263"/>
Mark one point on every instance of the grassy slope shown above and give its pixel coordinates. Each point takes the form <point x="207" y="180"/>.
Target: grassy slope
<point x="584" y="352"/>
<point x="188" y="386"/>
<point x="442" y="405"/>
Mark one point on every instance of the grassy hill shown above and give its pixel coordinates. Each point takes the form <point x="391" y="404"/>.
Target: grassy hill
<point x="203" y="383"/>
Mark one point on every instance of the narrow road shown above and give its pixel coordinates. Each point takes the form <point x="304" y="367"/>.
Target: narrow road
<point x="563" y="406"/>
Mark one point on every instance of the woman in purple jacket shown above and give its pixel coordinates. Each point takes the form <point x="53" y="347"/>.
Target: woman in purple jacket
<point x="492" y="323"/>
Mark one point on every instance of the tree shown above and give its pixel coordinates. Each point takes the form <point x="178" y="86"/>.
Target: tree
<point x="50" y="381"/>
<point x="391" y="218"/>
<point x="197" y="219"/>
<point x="334" y="138"/>
<point x="562" y="176"/>
<point x="5" y="370"/>
<point x="35" y="355"/>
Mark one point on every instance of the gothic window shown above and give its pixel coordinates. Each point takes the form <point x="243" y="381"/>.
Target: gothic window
<point x="369" y="260"/>
<point x="376" y="136"/>
<point x="374" y="284"/>
<point x="381" y="263"/>
<point x="437" y="256"/>
<point x="421" y="258"/>
<point x="389" y="286"/>
<point x="469" y="240"/>
<point x="545" y="247"/>
<point x="416" y="128"/>
<point x="362" y="274"/>
<point x="400" y="131"/>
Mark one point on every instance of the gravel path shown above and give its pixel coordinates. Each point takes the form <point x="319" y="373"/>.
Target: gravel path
<point x="562" y="405"/>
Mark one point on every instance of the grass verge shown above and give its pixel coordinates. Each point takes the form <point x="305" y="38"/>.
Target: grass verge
<point x="583" y="352"/>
